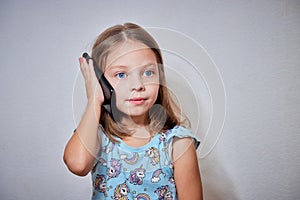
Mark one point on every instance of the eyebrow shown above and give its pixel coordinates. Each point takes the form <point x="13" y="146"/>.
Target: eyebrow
<point x="124" y="66"/>
<point x="116" y="67"/>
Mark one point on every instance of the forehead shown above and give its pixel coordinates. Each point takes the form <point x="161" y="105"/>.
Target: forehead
<point x="130" y="53"/>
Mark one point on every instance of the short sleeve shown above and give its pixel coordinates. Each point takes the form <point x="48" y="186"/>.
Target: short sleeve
<point x="180" y="132"/>
<point x="104" y="142"/>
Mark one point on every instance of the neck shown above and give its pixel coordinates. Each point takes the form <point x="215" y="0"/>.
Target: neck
<point x="134" y="121"/>
<point x="138" y="125"/>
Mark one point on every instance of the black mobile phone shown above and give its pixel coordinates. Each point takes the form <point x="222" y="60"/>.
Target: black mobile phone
<point x="108" y="90"/>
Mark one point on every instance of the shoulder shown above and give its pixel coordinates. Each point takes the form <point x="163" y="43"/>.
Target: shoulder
<point x="182" y="134"/>
<point x="182" y="147"/>
<point x="106" y="145"/>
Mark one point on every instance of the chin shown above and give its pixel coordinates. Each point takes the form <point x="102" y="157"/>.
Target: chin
<point x="132" y="113"/>
<point x="135" y="113"/>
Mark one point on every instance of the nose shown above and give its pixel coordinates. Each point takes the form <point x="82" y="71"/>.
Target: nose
<point x="137" y="84"/>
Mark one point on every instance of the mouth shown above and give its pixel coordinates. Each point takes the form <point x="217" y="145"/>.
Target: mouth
<point x="137" y="100"/>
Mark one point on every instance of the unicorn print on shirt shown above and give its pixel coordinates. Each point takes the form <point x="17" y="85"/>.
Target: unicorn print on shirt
<point x="100" y="183"/>
<point x="121" y="192"/>
<point x="153" y="154"/>
<point x="115" y="168"/>
<point x="136" y="176"/>
<point x="164" y="193"/>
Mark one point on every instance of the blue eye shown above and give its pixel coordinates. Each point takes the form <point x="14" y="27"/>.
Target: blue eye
<point x="148" y="73"/>
<point x="121" y="75"/>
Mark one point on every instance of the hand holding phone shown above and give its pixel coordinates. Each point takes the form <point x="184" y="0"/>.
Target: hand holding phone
<point x="108" y="90"/>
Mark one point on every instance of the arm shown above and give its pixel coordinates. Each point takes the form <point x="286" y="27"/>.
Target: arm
<point x="186" y="170"/>
<point x="80" y="151"/>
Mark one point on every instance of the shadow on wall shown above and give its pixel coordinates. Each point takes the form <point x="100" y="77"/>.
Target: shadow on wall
<point x="216" y="182"/>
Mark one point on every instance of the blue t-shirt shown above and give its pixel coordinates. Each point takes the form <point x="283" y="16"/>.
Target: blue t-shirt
<point x="143" y="173"/>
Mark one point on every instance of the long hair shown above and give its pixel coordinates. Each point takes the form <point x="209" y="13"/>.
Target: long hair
<point x="165" y="113"/>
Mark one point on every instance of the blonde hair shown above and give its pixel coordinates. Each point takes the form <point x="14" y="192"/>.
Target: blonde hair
<point x="168" y="109"/>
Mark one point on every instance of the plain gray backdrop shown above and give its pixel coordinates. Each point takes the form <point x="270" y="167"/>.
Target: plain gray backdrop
<point x="255" y="44"/>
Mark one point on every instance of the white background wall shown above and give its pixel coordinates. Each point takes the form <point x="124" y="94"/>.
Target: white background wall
<point x="255" y="44"/>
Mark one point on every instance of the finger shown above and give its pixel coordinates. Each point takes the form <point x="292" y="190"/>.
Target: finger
<point x="92" y="72"/>
<point x="83" y="71"/>
<point x="86" y="69"/>
<point x="91" y="68"/>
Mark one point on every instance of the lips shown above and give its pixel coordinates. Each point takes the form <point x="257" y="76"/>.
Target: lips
<point x="137" y="100"/>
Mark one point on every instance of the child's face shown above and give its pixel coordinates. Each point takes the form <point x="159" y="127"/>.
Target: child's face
<point x="133" y="72"/>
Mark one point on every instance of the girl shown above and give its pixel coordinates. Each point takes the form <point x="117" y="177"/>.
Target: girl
<point x="142" y="151"/>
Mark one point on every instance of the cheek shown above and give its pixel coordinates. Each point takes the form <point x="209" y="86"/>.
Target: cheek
<point x="153" y="89"/>
<point x="120" y="94"/>
<point x="114" y="82"/>
<point x="121" y="90"/>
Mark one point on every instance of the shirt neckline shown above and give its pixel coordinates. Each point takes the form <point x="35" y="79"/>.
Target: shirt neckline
<point x="125" y="146"/>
